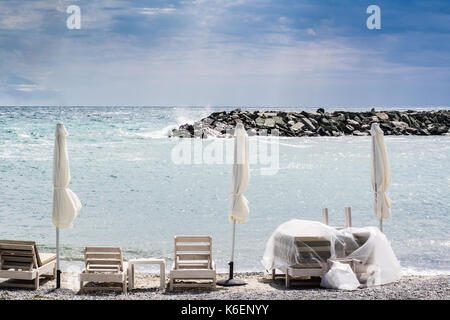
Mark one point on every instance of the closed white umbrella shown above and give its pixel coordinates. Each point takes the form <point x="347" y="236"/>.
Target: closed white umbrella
<point x="380" y="174"/>
<point x="239" y="205"/>
<point x="66" y="204"/>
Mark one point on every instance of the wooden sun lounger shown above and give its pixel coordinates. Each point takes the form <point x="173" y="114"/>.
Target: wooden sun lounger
<point x="312" y="250"/>
<point x="20" y="260"/>
<point x="193" y="261"/>
<point x="103" y="265"/>
<point x="314" y="254"/>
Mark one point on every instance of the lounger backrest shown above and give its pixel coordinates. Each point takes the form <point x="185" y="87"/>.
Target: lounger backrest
<point x="16" y="254"/>
<point x="313" y="248"/>
<point x="103" y="259"/>
<point x="193" y="252"/>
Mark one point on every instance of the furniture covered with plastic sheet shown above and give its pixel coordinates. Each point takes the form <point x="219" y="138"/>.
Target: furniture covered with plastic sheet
<point x="302" y="248"/>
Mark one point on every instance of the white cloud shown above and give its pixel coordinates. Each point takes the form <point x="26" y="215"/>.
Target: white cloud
<point x="311" y="32"/>
<point x="284" y="21"/>
<point x="26" y="87"/>
<point x="156" y="11"/>
<point x="32" y="15"/>
<point x="22" y="16"/>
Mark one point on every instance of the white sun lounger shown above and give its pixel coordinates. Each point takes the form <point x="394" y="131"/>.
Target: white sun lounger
<point x="103" y="265"/>
<point x="20" y="260"/>
<point x="314" y="250"/>
<point x="193" y="261"/>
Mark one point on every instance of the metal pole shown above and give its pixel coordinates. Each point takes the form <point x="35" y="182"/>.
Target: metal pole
<point x="232" y="250"/>
<point x="231" y="281"/>
<point x="232" y="241"/>
<point x="375" y="181"/>
<point x="58" y="272"/>
<point x="348" y="217"/>
<point x="325" y="215"/>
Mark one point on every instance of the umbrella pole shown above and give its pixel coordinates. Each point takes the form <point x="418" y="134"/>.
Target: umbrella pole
<point x="231" y="281"/>
<point x="58" y="272"/>
<point x="231" y="263"/>
<point x="375" y="181"/>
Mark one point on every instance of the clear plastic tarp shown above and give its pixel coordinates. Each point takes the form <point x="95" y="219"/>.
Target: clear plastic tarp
<point x="303" y="244"/>
<point x="340" y="276"/>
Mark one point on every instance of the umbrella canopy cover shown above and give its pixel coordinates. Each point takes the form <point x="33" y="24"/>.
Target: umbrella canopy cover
<point x="380" y="173"/>
<point x="66" y="204"/>
<point x="241" y="175"/>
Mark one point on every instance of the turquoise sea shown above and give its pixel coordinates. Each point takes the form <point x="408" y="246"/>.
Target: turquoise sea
<point x="136" y="196"/>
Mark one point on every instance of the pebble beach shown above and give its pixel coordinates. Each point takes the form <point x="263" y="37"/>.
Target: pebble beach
<point x="259" y="286"/>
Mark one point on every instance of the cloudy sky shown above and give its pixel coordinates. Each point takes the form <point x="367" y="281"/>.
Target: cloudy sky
<point x="225" y="52"/>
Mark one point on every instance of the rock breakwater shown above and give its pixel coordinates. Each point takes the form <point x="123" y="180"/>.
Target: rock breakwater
<point x="319" y="123"/>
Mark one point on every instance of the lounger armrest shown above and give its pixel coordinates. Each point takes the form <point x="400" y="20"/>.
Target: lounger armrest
<point x="46" y="258"/>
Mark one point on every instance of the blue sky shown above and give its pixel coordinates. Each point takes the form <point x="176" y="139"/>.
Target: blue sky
<point x="225" y="52"/>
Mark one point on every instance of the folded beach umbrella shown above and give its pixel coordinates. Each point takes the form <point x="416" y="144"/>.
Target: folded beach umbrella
<point x="239" y="205"/>
<point x="66" y="204"/>
<point x="380" y="174"/>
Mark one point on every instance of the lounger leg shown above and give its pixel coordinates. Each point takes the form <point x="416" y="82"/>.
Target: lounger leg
<point x="54" y="272"/>
<point x="162" y="276"/>
<point x="171" y="284"/>
<point x="132" y="276"/>
<point x="288" y="280"/>
<point x="81" y="286"/>
<point x="36" y="282"/>
<point x="129" y="277"/>
<point x="214" y="283"/>
<point x="273" y="274"/>
<point x="124" y="285"/>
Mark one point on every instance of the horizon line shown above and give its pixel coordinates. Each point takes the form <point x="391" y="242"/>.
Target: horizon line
<point x="222" y="106"/>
